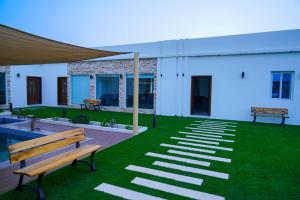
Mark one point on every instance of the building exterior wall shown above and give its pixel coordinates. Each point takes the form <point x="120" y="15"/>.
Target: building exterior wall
<point x="224" y="58"/>
<point x="48" y="73"/>
<point x="6" y="70"/>
<point x="120" y="67"/>
<point x="232" y="95"/>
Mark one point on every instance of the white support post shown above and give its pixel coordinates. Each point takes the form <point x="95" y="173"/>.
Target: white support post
<point x="136" y="94"/>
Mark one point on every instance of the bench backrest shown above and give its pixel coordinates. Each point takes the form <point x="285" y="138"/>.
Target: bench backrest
<point x="92" y="101"/>
<point x="279" y="111"/>
<point x="31" y="148"/>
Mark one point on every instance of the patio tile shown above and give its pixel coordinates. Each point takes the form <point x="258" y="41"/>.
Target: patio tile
<point x="175" y="189"/>
<point x="188" y="148"/>
<point x="208" y="135"/>
<point x="168" y="175"/>
<point x="179" y="159"/>
<point x="207" y="146"/>
<point x="196" y="155"/>
<point x="124" y="193"/>
<point x="192" y="170"/>
<point x="207" y="138"/>
<point x="213" y="133"/>
<point x="192" y="140"/>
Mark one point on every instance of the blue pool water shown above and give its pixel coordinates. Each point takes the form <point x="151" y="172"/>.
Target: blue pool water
<point x="12" y="136"/>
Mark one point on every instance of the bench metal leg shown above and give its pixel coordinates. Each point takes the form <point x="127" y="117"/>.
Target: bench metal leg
<point x="38" y="190"/>
<point x="282" y="121"/>
<point x="19" y="186"/>
<point x="91" y="164"/>
<point x="74" y="163"/>
<point x="254" y="118"/>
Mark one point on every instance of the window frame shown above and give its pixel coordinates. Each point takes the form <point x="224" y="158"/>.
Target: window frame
<point x="71" y="87"/>
<point x="119" y="81"/>
<point x="140" y="77"/>
<point x="280" y="84"/>
<point x="5" y="89"/>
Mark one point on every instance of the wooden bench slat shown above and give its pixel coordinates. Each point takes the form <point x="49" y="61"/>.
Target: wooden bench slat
<point x="269" y="110"/>
<point x="45" y="148"/>
<point x="21" y="146"/>
<point x="57" y="161"/>
<point x="49" y="160"/>
<point x="274" y="116"/>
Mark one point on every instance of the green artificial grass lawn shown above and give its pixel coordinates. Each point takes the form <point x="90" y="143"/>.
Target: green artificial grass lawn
<point x="265" y="161"/>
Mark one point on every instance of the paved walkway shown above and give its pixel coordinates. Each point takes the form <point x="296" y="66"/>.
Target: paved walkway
<point x="196" y="147"/>
<point x="8" y="180"/>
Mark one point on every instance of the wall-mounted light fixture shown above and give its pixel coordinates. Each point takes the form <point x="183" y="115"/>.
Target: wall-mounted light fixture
<point x="243" y="74"/>
<point x="18" y="75"/>
<point x="121" y="76"/>
<point x="91" y="77"/>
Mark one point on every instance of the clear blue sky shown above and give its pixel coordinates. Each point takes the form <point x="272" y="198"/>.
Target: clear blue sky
<point x="107" y="22"/>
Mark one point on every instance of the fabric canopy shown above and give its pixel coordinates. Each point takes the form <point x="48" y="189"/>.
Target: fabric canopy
<point x="21" y="48"/>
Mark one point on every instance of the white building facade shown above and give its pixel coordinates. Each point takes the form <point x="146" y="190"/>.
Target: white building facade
<point x="218" y="77"/>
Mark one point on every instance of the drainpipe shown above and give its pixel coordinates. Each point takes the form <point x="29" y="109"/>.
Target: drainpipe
<point x="136" y="94"/>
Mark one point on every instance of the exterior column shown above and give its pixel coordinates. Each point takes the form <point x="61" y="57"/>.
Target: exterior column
<point x="136" y="94"/>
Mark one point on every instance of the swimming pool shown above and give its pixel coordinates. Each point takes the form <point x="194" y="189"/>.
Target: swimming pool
<point x="6" y="120"/>
<point x="12" y="136"/>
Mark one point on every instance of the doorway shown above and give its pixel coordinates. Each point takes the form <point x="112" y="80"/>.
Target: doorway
<point x="62" y="89"/>
<point x="201" y="95"/>
<point x="34" y="90"/>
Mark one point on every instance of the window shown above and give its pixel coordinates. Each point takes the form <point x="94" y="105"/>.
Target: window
<point x="80" y="88"/>
<point x="2" y="89"/>
<point x="107" y="89"/>
<point x="282" y="85"/>
<point x="146" y="84"/>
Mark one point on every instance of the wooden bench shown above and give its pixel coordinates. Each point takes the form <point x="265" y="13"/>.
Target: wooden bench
<point x="91" y="104"/>
<point x="21" y="151"/>
<point x="270" y="112"/>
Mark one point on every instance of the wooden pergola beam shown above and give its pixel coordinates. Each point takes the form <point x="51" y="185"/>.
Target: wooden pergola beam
<point x="136" y="94"/>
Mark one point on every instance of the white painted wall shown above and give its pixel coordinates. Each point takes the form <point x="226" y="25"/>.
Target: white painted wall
<point x="224" y="58"/>
<point x="232" y="96"/>
<point x="48" y="73"/>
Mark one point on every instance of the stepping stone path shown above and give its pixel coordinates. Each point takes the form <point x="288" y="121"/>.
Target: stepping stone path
<point x="201" y="141"/>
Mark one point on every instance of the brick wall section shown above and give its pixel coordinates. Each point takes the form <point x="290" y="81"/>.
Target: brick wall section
<point x="6" y="70"/>
<point x="121" y="67"/>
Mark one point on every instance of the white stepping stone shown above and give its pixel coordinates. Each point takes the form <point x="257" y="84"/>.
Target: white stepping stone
<point x="215" y="128"/>
<point x="206" y="138"/>
<point x="207" y="146"/>
<point x="205" y="129"/>
<point x="213" y="133"/>
<point x="208" y="135"/>
<point x="215" y="125"/>
<point x="172" y="189"/>
<point x="216" y="122"/>
<point x="212" y="127"/>
<point x="196" y="155"/>
<point x="124" y="193"/>
<point x="188" y="148"/>
<point x="174" y="158"/>
<point x="176" y="177"/>
<point x="192" y="170"/>
<point x="193" y="140"/>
